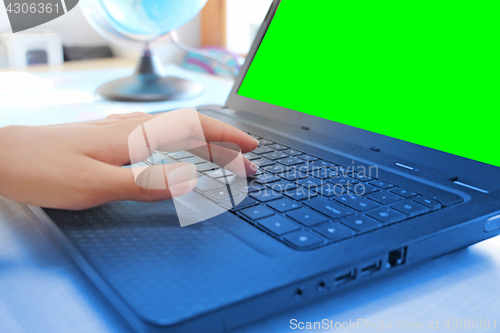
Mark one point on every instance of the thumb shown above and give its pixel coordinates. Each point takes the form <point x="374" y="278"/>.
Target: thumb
<point x="151" y="183"/>
<point x="177" y="178"/>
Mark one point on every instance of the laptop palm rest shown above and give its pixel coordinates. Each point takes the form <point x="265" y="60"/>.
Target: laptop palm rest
<point x="192" y="206"/>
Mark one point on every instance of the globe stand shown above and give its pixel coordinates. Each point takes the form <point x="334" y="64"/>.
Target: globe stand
<point x="149" y="84"/>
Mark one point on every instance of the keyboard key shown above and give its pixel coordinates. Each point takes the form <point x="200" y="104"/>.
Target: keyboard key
<point x="256" y="212"/>
<point x="251" y="156"/>
<point x="278" y="225"/>
<point x="381" y="184"/>
<point x="409" y="208"/>
<point x="355" y="202"/>
<point x="305" y="167"/>
<point x="258" y="172"/>
<point x="386" y="215"/>
<point x="251" y="186"/>
<point x="263" y="142"/>
<point x="404" y="192"/>
<point x="227" y="180"/>
<point x="384" y="198"/>
<point x="277" y="168"/>
<point x="362" y="189"/>
<point x="342" y="181"/>
<point x="329" y="208"/>
<point x="323" y="164"/>
<point x="290" y="161"/>
<point x="428" y="202"/>
<point x="303" y="239"/>
<point x="293" y="152"/>
<point x="262" y="162"/>
<point x="265" y="195"/>
<point x="307" y="216"/>
<point x="344" y="171"/>
<point x="262" y="150"/>
<point x="284" y="205"/>
<point x="159" y="158"/>
<point x="180" y="154"/>
<point x="292" y="175"/>
<point x="360" y="223"/>
<point x="194" y="160"/>
<point x="233" y="179"/>
<point x="323" y="173"/>
<point x="221" y="194"/>
<point x="277" y="146"/>
<point x="255" y="136"/>
<point x="206" y="184"/>
<point x="334" y="231"/>
<point x="265" y="178"/>
<point x="275" y="155"/>
<point x="340" y="189"/>
<point x="307" y="158"/>
<point x="310" y="182"/>
<point x="219" y="173"/>
<point x="245" y="203"/>
<point x="448" y="198"/>
<point x="329" y="190"/>
<point x="282" y="186"/>
<point x="361" y="176"/>
<point x="300" y="193"/>
<point x="208" y="166"/>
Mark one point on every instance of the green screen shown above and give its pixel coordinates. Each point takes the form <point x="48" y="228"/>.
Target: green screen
<point x="424" y="71"/>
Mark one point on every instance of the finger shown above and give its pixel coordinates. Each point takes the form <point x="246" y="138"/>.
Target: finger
<point x="228" y="156"/>
<point x="185" y="130"/>
<point x="173" y="131"/>
<point x="180" y="127"/>
<point x="225" y="155"/>
<point x="218" y="131"/>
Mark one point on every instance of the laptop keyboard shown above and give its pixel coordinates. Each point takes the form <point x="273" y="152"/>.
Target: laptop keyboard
<point x="307" y="202"/>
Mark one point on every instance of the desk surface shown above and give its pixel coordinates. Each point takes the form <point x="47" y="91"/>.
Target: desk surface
<point x="47" y="95"/>
<point x="41" y="289"/>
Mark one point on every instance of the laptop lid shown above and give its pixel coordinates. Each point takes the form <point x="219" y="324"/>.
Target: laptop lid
<point x="299" y="72"/>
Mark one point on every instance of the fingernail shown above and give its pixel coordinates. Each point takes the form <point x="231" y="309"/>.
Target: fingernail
<point x="182" y="179"/>
<point x="258" y="143"/>
<point x="254" y="167"/>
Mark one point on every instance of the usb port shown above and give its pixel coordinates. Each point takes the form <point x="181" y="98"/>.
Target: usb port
<point x="371" y="268"/>
<point x="345" y="277"/>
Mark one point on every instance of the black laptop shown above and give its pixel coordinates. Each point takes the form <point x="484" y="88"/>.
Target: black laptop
<point x="332" y="205"/>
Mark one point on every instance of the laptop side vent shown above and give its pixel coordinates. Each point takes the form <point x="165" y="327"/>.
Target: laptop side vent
<point x="492" y="224"/>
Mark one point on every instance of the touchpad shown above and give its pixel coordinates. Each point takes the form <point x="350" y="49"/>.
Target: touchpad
<point x="128" y="230"/>
<point x="191" y="206"/>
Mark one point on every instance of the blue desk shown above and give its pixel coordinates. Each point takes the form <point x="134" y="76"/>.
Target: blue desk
<point x="41" y="289"/>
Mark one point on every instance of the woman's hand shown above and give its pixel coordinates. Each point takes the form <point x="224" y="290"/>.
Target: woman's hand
<point x="78" y="166"/>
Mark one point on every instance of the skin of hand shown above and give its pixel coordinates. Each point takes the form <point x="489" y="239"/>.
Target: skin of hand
<point x="78" y="166"/>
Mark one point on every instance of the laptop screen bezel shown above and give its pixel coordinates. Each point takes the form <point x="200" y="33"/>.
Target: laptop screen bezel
<point x="462" y="168"/>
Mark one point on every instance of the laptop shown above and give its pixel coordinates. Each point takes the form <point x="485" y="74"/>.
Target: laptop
<point x="371" y="162"/>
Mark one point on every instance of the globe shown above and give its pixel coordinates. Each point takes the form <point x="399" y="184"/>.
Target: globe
<point x="143" y="24"/>
<point x="148" y="19"/>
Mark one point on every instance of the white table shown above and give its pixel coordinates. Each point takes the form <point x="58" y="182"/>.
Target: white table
<point x="53" y="97"/>
<point x="42" y="290"/>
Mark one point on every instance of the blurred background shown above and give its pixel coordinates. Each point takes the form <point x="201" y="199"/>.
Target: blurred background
<point x="231" y="24"/>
